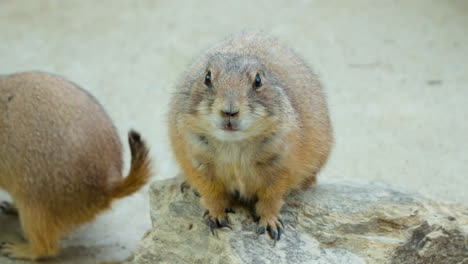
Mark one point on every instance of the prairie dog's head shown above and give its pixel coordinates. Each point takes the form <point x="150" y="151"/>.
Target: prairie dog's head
<point x="235" y="98"/>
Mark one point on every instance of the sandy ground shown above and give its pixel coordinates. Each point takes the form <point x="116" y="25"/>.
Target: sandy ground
<point x="395" y="72"/>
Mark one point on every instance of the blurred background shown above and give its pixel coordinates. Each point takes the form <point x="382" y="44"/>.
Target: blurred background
<point x="395" y="73"/>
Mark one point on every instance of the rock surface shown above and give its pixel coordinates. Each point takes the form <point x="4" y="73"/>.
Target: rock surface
<point x="334" y="222"/>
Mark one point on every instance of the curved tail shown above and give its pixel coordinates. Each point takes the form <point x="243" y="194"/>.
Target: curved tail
<point x="140" y="169"/>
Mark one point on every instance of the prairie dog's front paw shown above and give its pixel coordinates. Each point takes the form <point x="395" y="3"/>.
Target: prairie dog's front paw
<point x="214" y="221"/>
<point x="273" y="225"/>
<point x="216" y="215"/>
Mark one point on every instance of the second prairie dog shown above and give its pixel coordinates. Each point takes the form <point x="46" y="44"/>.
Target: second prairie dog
<point x="60" y="159"/>
<point x="249" y="117"/>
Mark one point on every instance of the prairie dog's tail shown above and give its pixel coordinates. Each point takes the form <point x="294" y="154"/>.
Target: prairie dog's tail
<point x="140" y="168"/>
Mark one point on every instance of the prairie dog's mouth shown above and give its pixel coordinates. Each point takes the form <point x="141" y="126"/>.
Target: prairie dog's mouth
<point x="230" y="125"/>
<point x="229" y="129"/>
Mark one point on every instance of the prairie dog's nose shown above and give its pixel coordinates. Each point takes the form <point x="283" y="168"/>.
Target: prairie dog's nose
<point x="229" y="107"/>
<point x="229" y="112"/>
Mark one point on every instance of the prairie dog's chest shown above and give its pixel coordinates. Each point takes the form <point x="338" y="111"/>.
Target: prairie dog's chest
<point x="234" y="154"/>
<point x="234" y="163"/>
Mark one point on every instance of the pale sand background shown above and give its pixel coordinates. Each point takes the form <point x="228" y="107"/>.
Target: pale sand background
<point x="395" y="72"/>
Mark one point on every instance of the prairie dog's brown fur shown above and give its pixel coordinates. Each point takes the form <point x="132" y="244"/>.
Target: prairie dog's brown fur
<point x="60" y="159"/>
<point x="230" y="135"/>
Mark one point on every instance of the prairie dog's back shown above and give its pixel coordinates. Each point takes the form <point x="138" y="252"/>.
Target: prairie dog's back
<point x="42" y="119"/>
<point x="60" y="159"/>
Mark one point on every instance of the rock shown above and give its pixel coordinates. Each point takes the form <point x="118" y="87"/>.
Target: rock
<point x="334" y="222"/>
<point x="433" y="244"/>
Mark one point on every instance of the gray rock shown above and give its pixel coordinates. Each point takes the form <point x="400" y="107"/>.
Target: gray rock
<point x="334" y="222"/>
<point x="433" y="244"/>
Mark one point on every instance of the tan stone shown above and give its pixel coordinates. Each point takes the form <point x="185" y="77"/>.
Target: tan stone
<point x="334" y="222"/>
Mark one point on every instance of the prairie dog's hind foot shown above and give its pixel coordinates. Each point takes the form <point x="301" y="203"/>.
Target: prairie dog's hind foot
<point x="20" y="251"/>
<point x="8" y="208"/>
<point x="185" y="185"/>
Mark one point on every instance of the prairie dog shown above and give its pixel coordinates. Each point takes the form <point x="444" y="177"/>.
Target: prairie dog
<point x="249" y="117"/>
<point x="60" y="159"/>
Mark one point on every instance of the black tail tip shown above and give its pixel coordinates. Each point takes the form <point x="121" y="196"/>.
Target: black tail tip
<point x="134" y="136"/>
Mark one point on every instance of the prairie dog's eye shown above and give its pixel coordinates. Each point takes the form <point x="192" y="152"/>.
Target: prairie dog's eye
<point x="208" y="78"/>
<point x="257" y="82"/>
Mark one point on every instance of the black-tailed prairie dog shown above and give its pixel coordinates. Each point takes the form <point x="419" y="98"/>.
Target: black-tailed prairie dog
<point x="249" y="118"/>
<point x="60" y="159"/>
